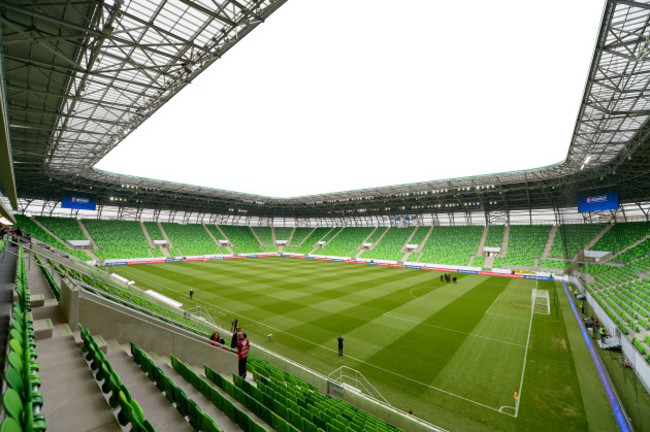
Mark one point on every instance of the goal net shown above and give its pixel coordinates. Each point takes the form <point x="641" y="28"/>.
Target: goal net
<point x="541" y="302"/>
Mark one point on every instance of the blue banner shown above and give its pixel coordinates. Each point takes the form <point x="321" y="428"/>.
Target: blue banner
<point x="216" y="258"/>
<point x="604" y="198"/>
<point x="172" y="260"/>
<point x="116" y="263"/>
<point x="542" y="278"/>
<point x="467" y="271"/>
<point x="413" y="267"/>
<point x="337" y="260"/>
<point x="79" y="200"/>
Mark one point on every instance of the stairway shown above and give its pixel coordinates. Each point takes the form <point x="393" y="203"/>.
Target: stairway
<point x="408" y="240"/>
<point x="598" y="237"/>
<point x="256" y="237"/>
<point x="157" y="409"/>
<point x="424" y="240"/>
<point x="328" y="241"/>
<point x="481" y="245"/>
<point x="162" y="230"/>
<point x="636" y="243"/>
<point x="293" y="231"/>
<point x="146" y="234"/>
<point x="228" y="248"/>
<point x="83" y="228"/>
<point x="504" y="245"/>
<point x="305" y="239"/>
<point x="72" y="399"/>
<point x="593" y="241"/>
<point x="7" y="283"/>
<point x="212" y="236"/>
<point x="549" y="243"/>
<point x="489" y="262"/>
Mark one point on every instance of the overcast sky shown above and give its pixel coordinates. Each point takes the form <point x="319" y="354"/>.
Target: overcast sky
<point x="336" y="95"/>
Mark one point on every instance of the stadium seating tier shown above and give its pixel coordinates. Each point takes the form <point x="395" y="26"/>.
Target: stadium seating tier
<point x="118" y="238"/>
<point x="191" y="239"/>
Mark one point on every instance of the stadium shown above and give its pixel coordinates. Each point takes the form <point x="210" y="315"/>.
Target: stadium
<point x="517" y="300"/>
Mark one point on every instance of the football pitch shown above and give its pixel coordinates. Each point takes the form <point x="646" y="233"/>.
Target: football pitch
<point x="455" y="354"/>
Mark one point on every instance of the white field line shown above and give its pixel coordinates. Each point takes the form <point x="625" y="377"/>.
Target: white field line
<point x="523" y="370"/>
<point x="506" y="316"/>
<point x="498" y="410"/>
<point x="493" y="303"/>
<point x="516" y="295"/>
<point x="389" y="315"/>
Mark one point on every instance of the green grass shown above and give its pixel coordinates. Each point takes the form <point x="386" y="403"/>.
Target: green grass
<point x="454" y="354"/>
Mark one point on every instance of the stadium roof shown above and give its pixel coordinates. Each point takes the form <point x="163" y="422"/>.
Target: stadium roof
<point x="80" y="76"/>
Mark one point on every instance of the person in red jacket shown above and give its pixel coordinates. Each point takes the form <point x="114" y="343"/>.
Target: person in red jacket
<point x="242" y="352"/>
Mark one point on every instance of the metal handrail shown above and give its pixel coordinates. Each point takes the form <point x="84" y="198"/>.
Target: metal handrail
<point x="359" y="380"/>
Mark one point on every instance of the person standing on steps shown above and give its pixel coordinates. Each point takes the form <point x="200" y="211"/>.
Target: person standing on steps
<point x="233" y="341"/>
<point x="242" y="352"/>
<point x="340" y="340"/>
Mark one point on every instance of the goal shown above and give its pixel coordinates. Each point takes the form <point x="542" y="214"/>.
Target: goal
<point x="541" y="302"/>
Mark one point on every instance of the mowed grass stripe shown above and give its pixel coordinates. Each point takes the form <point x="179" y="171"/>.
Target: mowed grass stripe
<point x="264" y="294"/>
<point x="281" y="313"/>
<point x="438" y="347"/>
<point x="260" y="284"/>
<point x="334" y="318"/>
<point x="494" y="371"/>
<point x="472" y="367"/>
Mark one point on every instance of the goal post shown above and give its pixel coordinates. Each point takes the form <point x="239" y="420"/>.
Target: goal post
<point x="541" y="302"/>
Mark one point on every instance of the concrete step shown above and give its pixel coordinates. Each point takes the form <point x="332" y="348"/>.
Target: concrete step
<point x="36" y="282"/>
<point x="72" y="399"/>
<point x="549" y="243"/>
<point x="43" y="329"/>
<point x="156" y="408"/>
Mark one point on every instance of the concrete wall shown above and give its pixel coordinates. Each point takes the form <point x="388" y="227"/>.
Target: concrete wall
<point x="113" y="321"/>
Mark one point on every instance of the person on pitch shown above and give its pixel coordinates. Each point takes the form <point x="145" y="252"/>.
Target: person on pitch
<point x="340" y="341"/>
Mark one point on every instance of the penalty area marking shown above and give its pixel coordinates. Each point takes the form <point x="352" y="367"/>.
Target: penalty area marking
<point x="211" y="305"/>
<point x="493" y="303"/>
<point x="507" y="316"/>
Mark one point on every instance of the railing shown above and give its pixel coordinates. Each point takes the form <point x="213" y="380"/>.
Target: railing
<point x="622" y="419"/>
<point x="359" y="382"/>
<point x="101" y="281"/>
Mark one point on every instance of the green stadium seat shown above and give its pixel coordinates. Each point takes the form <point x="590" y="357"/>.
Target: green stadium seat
<point x="389" y="248"/>
<point x="451" y="245"/>
<point x="10" y="425"/>
<point x="346" y="243"/>
<point x="191" y="239"/>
